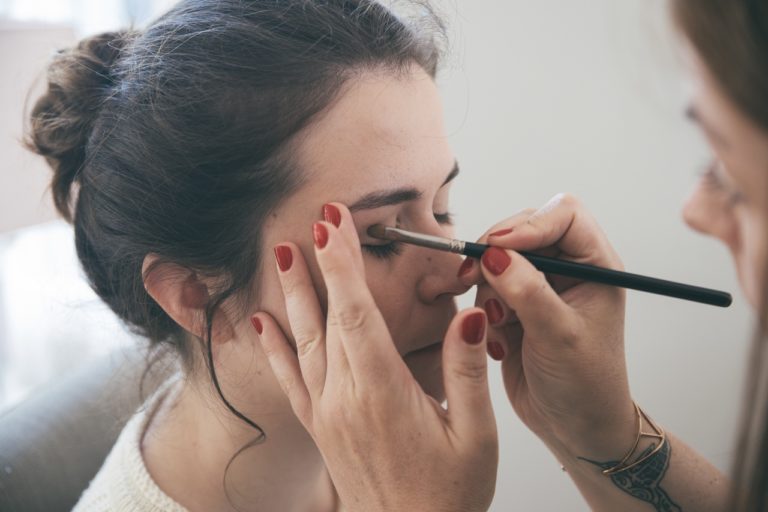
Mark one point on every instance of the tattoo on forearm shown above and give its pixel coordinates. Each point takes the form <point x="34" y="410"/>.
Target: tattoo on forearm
<point x="644" y="481"/>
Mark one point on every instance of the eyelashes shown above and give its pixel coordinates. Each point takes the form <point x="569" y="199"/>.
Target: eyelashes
<point x="385" y="251"/>
<point x="713" y="178"/>
<point x="444" y="219"/>
<point x="392" y="249"/>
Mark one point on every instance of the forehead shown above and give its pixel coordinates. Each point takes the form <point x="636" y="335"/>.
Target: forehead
<point x="721" y="112"/>
<point x="385" y="130"/>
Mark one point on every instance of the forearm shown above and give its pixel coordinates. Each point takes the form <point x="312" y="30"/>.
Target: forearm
<point x="675" y="479"/>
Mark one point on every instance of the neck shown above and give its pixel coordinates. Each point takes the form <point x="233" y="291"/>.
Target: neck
<point x="192" y="439"/>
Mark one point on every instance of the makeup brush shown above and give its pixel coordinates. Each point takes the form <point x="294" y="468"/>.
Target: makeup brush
<point x="563" y="268"/>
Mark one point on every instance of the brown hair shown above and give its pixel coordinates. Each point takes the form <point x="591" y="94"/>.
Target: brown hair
<point x="731" y="37"/>
<point x="175" y="140"/>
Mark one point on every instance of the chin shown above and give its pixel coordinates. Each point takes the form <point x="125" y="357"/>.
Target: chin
<point x="427" y="368"/>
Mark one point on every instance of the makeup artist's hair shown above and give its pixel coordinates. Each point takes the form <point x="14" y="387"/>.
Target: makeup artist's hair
<point x="731" y="37"/>
<point x="176" y="140"/>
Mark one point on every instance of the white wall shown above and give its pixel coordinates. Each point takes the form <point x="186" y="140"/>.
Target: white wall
<point x="587" y="97"/>
<point x="24" y="50"/>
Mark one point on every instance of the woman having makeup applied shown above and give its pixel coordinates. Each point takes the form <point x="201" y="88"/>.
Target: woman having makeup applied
<point x="561" y="342"/>
<point x="186" y="155"/>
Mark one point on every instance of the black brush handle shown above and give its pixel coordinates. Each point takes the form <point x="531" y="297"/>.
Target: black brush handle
<point x="617" y="278"/>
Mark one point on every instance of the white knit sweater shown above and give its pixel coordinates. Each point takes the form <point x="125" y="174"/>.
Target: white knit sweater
<point x="123" y="483"/>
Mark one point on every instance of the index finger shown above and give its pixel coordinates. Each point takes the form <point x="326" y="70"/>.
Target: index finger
<point x="562" y="223"/>
<point x="354" y="319"/>
<point x="469" y="272"/>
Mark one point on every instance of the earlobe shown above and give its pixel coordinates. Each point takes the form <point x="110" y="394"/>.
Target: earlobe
<point x="184" y="297"/>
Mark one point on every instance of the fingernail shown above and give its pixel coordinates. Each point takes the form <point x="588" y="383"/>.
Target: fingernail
<point x="502" y="232"/>
<point x="284" y="257"/>
<point x="494" y="311"/>
<point x="257" y="324"/>
<point x="496" y="260"/>
<point x="320" y="232"/>
<point x="473" y="328"/>
<point x="466" y="267"/>
<point x="495" y="350"/>
<point x="332" y="214"/>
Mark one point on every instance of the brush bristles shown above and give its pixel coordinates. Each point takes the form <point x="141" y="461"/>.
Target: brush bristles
<point x="378" y="231"/>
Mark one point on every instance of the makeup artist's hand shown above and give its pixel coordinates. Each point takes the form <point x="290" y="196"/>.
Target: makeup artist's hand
<point x="561" y="341"/>
<point x="387" y="445"/>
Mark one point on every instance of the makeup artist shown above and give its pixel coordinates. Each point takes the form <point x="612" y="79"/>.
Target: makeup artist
<point x="561" y="342"/>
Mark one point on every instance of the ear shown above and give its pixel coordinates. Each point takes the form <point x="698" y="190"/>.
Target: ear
<point x="184" y="297"/>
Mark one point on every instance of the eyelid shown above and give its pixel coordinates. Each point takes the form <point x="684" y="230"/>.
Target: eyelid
<point x="444" y="218"/>
<point x="715" y="172"/>
<point x="714" y="176"/>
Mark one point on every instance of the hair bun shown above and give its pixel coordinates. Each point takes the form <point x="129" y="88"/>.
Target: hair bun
<point x="80" y="79"/>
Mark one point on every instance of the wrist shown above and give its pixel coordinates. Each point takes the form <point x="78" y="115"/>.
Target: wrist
<point x="603" y="440"/>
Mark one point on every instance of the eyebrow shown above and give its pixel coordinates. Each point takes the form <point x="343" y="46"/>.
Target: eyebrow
<point x="383" y="198"/>
<point x="693" y="114"/>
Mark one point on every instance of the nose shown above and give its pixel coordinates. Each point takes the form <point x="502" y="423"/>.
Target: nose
<point x="709" y="211"/>
<point x="439" y="278"/>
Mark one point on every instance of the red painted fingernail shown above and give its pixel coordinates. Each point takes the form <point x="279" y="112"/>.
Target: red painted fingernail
<point x="496" y="350"/>
<point x="320" y="232"/>
<point x="494" y="311"/>
<point x="502" y="232"/>
<point x="496" y="260"/>
<point x="284" y="257"/>
<point x="257" y="324"/>
<point x="473" y="328"/>
<point x="332" y="214"/>
<point x="466" y="267"/>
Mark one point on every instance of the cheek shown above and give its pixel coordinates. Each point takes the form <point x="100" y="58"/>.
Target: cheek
<point x="390" y="289"/>
<point x="752" y="261"/>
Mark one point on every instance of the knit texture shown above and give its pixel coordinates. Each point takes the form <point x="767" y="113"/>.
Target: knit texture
<point x="123" y="483"/>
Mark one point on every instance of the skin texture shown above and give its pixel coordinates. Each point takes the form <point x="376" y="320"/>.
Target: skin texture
<point x="730" y="203"/>
<point x="379" y="433"/>
<point x="384" y="132"/>
<point x="563" y="355"/>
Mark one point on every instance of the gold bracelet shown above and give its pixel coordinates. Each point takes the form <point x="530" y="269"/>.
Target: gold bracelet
<point x="658" y="433"/>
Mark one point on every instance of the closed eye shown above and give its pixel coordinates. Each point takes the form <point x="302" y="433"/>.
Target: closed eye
<point x="392" y="249"/>
<point x="385" y="251"/>
<point x="445" y="219"/>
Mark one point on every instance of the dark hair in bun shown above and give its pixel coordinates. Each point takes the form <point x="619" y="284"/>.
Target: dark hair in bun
<point x="176" y="139"/>
<point x="79" y="81"/>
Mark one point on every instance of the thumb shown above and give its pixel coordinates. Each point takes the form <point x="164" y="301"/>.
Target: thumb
<point x="465" y="375"/>
<point x="526" y="291"/>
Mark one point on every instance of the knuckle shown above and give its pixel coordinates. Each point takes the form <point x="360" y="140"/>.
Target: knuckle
<point x="569" y="336"/>
<point x="306" y="342"/>
<point x="351" y="318"/>
<point x="525" y="212"/>
<point x="291" y="287"/>
<point x="269" y="350"/>
<point x="528" y="287"/>
<point x="567" y="199"/>
<point x="474" y="373"/>
<point x="338" y="267"/>
<point x="289" y="385"/>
